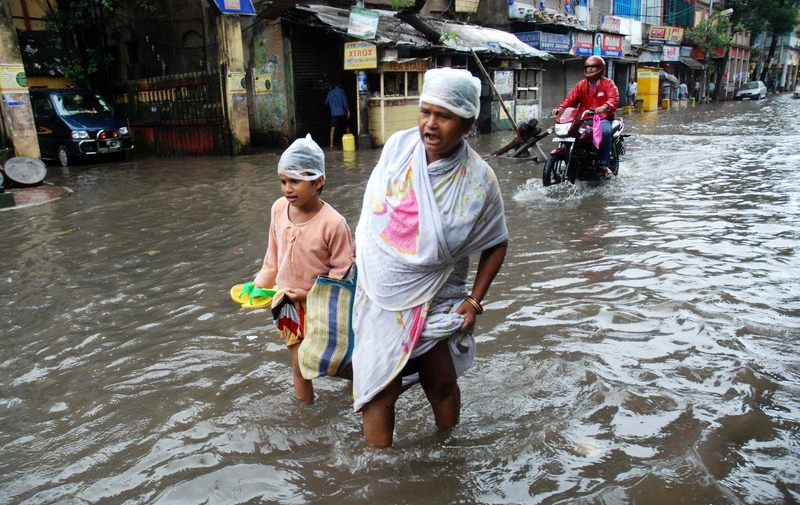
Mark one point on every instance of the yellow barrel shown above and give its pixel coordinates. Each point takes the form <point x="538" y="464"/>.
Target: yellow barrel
<point x="665" y="103"/>
<point x="348" y="142"/>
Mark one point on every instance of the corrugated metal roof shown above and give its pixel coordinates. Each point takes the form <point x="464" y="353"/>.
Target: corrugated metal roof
<point x="392" y="32"/>
<point x="465" y="37"/>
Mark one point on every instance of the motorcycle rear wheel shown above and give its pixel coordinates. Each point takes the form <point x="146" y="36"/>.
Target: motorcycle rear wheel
<point x="555" y="170"/>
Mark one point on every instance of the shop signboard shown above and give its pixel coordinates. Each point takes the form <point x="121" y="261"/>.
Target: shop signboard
<point x="607" y="45"/>
<point x="667" y="35"/>
<point x="420" y="65"/>
<point x="671" y="53"/>
<point x="359" y="55"/>
<point x="582" y="44"/>
<point x="550" y="42"/>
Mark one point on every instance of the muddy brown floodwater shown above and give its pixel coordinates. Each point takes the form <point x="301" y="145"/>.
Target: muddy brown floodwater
<point x="640" y="345"/>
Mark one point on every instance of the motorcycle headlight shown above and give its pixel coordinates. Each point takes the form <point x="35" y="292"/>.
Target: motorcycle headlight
<point x="561" y="129"/>
<point x="123" y="130"/>
<point x="79" y="134"/>
<point x="582" y="129"/>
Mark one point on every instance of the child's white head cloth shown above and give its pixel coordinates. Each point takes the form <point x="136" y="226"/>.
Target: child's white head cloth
<point x="303" y="160"/>
<point x="457" y="90"/>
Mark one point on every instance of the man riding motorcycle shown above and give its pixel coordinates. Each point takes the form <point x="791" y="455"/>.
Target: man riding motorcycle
<point x="598" y="93"/>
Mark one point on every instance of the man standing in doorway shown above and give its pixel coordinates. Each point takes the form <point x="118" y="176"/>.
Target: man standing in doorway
<point x="340" y="110"/>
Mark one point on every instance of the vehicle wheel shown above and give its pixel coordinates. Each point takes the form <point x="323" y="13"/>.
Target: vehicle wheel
<point x="615" y="152"/>
<point x="555" y="170"/>
<point x="63" y="156"/>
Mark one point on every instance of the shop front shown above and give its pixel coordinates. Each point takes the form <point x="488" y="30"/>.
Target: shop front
<point x="392" y="96"/>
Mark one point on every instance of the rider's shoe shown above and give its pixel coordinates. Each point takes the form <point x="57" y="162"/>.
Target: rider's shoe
<point x="608" y="173"/>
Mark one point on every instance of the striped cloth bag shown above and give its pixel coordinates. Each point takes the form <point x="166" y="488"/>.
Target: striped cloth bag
<point x="327" y="345"/>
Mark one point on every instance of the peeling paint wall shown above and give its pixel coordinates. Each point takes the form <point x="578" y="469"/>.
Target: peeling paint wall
<point x="271" y="114"/>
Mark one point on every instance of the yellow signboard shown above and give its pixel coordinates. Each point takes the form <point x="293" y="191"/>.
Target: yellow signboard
<point x="12" y="78"/>
<point x="360" y="55"/>
<point x="263" y="84"/>
<point x="236" y="82"/>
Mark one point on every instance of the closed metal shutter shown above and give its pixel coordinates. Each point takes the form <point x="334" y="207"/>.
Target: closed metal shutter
<point x="574" y="73"/>
<point x="559" y="78"/>
<point x="553" y="85"/>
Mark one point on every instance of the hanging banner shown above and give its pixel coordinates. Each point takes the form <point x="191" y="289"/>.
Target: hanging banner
<point x="671" y="53"/>
<point x="363" y="23"/>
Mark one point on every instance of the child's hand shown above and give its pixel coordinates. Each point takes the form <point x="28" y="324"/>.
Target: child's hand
<point x="297" y="295"/>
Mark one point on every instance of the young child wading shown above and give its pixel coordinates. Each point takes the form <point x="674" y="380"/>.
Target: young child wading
<point x="307" y="238"/>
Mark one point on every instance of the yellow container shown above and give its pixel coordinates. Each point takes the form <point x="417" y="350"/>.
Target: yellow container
<point x="348" y="142"/>
<point x="665" y="103"/>
<point x="626" y="109"/>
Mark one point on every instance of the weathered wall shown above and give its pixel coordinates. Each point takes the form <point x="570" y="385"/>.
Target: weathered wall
<point x="17" y="116"/>
<point x="271" y="113"/>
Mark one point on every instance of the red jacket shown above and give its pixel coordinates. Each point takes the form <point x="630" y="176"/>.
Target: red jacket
<point x="585" y="96"/>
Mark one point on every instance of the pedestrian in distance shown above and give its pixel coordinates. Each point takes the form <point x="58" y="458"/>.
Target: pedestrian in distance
<point x="683" y="91"/>
<point x="340" y="109"/>
<point x="633" y="88"/>
<point x="307" y="238"/>
<point x="430" y="203"/>
<point x="599" y="93"/>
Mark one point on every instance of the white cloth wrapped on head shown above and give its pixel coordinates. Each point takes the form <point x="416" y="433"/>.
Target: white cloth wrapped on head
<point x="304" y="160"/>
<point x="455" y="89"/>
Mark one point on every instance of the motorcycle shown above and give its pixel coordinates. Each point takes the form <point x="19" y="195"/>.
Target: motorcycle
<point x="576" y="158"/>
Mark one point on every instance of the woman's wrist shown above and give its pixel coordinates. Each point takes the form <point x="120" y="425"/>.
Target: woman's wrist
<point x="475" y="304"/>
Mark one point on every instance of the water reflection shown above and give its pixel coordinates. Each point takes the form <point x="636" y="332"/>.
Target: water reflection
<point x="639" y="345"/>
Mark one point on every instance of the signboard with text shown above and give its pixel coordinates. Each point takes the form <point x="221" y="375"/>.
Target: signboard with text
<point x="668" y="35"/>
<point x="359" y="55"/>
<point x="363" y="23"/>
<point x="582" y="44"/>
<point x="406" y="66"/>
<point x="243" y="7"/>
<point x="607" y="45"/>
<point x="550" y="42"/>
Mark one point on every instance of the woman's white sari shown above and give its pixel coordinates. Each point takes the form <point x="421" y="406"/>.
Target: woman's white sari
<point x="419" y="225"/>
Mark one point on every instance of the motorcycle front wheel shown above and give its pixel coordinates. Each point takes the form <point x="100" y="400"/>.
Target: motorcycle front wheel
<point x="555" y="170"/>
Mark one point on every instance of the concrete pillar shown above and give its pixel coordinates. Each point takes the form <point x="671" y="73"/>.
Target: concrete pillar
<point x="16" y="103"/>
<point x="231" y="60"/>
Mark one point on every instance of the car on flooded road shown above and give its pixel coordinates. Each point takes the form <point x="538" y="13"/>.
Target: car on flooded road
<point x="753" y="90"/>
<point x="73" y="125"/>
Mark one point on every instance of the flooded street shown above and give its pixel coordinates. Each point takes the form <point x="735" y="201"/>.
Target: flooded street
<point x="641" y="344"/>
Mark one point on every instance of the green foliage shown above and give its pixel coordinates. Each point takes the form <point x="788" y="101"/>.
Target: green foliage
<point x="451" y="36"/>
<point x="714" y="34"/>
<point x="399" y="5"/>
<point x="774" y="16"/>
<point x="80" y="27"/>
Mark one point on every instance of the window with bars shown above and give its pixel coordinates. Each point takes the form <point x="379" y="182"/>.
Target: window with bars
<point x="528" y="84"/>
<point x="628" y="8"/>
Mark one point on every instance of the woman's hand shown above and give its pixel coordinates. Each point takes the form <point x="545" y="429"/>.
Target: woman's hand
<point x="470" y="314"/>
